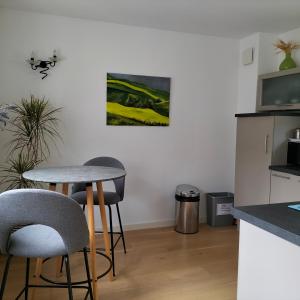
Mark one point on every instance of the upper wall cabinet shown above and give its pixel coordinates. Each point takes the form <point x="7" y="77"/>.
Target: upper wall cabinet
<point x="279" y="91"/>
<point x="261" y="141"/>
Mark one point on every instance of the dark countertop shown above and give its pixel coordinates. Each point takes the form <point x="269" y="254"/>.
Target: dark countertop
<point x="277" y="219"/>
<point x="295" y="113"/>
<point x="290" y="169"/>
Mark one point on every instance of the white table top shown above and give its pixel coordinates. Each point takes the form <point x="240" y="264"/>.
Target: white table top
<point x="74" y="174"/>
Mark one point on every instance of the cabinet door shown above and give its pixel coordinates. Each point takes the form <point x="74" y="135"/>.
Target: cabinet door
<point x="253" y="158"/>
<point x="284" y="187"/>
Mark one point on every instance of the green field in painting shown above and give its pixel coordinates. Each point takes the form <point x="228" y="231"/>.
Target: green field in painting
<point x="120" y="115"/>
<point x="126" y="86"/>
<point x="133" y="103"/>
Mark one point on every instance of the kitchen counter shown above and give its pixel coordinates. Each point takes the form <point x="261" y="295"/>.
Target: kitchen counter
<point x="269" y="253"/>
<point x="292" y="113"/>
<point x="290" y="169"/>
<point x="277" y="219"/>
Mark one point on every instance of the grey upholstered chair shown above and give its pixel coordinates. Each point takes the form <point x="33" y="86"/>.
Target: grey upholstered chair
<point x="110" y="198"/>
<point x="50" y="224"/>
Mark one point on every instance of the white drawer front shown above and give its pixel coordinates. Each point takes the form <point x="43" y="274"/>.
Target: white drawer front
<point x="284" y="187"/>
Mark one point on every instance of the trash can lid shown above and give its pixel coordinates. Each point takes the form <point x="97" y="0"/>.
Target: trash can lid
<point x="187" y="190"/>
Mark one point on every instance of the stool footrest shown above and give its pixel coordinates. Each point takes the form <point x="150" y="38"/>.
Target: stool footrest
<point x="82" y="281"/>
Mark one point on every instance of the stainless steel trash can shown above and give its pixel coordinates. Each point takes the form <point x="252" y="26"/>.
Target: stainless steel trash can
<point x="187" y="209"/>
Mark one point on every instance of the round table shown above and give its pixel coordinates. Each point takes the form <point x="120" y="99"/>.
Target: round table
<point x="86" y="175"/>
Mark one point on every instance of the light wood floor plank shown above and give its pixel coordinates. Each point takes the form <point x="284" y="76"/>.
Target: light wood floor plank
<point x="160" y="264"/>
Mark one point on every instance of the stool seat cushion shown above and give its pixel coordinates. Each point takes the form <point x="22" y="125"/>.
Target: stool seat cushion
<point x="36" y="241"/>
<point x="110" y="198"/>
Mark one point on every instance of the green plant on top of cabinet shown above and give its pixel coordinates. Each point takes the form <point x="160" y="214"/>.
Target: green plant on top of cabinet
<point x="287" y="48"/>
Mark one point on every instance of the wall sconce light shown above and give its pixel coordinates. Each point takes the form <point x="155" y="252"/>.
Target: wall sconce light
<point x="44" y="65"/>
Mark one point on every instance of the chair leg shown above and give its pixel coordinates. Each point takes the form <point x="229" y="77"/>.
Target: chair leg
<point x="27" y="277"/>
<point x="111" y="240"/>
<point x="37" y="274"/>
<point x="121" y="228"/>
<point x="87" y="269"/>
<point x="61" y="264"/>
<point x="67" y="263"/>
<point x="4" y="278"/>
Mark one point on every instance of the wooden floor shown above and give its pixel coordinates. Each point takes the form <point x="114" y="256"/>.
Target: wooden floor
<point x="160" y="265"/>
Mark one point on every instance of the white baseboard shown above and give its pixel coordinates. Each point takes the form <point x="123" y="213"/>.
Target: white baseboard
<point x="149" y="225"/>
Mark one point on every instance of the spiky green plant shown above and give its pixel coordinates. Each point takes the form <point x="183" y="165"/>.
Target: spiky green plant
<point x="12" y="173"/>
<point x="34" y="129"/>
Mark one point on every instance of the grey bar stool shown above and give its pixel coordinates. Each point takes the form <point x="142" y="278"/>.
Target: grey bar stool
<point x="110" y="198"/>
<point x="48" y="224"/>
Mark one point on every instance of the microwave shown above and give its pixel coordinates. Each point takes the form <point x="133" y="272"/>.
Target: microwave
<point x="293" y="154"/>
<point x="279" y="91"/>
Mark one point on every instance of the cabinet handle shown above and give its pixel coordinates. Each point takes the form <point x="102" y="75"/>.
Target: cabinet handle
<point x="266" y="143"/>
<point x="281" y="176"/>
<point x="284" y="104"/>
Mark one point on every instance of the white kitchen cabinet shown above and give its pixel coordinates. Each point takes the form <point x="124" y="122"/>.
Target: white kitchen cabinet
<point x="284" y="187"/>
<point x="261" y="141"/>
<point x="253" y="158"/>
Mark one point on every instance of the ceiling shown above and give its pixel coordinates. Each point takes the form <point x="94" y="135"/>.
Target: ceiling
<point x="228" y="18"/>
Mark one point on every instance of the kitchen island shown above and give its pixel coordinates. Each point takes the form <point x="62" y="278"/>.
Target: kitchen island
<point x="269" y="252"/>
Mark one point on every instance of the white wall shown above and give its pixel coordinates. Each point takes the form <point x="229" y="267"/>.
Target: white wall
<point x="197" y="148"/>
<point x="247" y="75"/>
<point x="265" y="61"/>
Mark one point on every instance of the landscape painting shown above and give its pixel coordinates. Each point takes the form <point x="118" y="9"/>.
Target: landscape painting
<point x="137" y="100"/>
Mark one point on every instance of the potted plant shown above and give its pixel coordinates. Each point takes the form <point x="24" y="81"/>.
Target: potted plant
<point x="33" y="127"/>
<point x="287" y="48"/>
